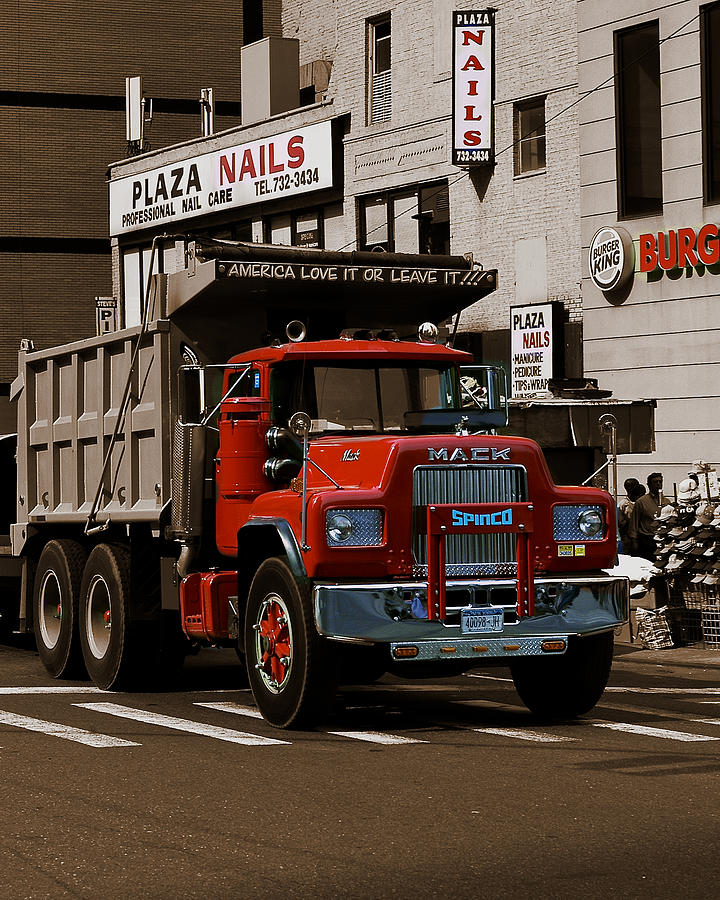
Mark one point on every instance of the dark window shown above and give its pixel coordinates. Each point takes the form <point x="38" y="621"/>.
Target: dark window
<point x="413" y="220"/>
<point x="711" y="100"/>
<point x="252" y="21"/>
<point x="530" y="136"/>
<point x="639" y="157"/>
<point x="380" y="84"/>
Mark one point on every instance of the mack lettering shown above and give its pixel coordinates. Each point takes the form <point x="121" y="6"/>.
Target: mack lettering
<point x="475" y="454"/>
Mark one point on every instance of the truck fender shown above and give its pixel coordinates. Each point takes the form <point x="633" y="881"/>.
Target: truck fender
<point x="260" y="539"/>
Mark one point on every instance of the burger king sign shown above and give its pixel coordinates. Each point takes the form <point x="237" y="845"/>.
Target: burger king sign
<point x="611" y="258"/>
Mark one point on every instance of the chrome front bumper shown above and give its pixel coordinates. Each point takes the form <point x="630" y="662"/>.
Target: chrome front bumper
<point x="393" y="614"/>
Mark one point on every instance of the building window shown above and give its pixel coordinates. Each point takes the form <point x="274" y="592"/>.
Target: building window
<point x="379" y="87"/>
<point x="301" y="229"/>
<point x="252" y="21"/>
<point x="711" y="101"/>
<point x="530" y="136"/>
<point x="639" y="138"/>
<point x="412" y="220"/>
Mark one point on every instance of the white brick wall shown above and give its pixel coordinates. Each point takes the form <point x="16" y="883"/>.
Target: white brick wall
<point x="490" y="211"/>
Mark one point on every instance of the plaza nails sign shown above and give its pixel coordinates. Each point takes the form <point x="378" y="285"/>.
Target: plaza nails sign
<point x="473" y="71"/>
<point x="283" y="165"/>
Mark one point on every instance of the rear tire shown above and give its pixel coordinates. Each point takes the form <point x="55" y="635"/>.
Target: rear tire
<point x="119" y="653"/>
<point x="291" y="669"/>
<point x="56" y="592"/>
<point x="563" y="687"/>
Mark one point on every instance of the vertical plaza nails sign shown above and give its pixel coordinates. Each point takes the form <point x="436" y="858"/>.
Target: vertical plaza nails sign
<point x="295" y="162"/>
<point x="473" y="53"/>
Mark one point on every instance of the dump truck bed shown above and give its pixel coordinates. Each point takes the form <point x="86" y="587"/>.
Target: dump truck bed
<point x="69" y="401"/>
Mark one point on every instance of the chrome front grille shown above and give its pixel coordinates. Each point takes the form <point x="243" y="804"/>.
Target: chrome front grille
<point x="467" y="555"/>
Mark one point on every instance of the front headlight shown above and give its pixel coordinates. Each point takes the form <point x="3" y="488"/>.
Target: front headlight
<point x="578" y="523"/>
<point x="590" y="522"/>
<point x="353" y="527"/>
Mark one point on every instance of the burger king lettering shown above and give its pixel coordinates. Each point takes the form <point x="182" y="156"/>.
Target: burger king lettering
<point x="679" y="248"/>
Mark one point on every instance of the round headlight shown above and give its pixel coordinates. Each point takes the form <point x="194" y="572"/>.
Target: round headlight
<point x="590" y="522"/>
<point x="339" y="528"/>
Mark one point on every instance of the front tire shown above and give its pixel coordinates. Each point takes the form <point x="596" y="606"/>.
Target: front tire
<point x="56" y="590"/>
<point x="290" y="667"/>
<point x="566" y="686"/>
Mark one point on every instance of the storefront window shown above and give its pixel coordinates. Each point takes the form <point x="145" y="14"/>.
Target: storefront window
<point x="414" y="220"/>
<point x="637" y="64"/>
<point x="136" y="265"/>
<point x="300" y="229"/>
<point x="711" y="100"/>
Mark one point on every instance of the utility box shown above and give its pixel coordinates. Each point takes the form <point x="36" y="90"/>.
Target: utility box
<point x="270" y="78"/>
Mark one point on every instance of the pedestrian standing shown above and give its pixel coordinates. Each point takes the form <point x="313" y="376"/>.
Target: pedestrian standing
<point x="643" y="521"/>
<point x="633" y="491"/>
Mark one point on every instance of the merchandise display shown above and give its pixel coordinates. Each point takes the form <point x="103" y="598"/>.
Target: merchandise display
<point x="688" y="555"/>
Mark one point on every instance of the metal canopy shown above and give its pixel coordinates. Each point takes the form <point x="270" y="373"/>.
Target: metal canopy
<point x="259" y="288"/>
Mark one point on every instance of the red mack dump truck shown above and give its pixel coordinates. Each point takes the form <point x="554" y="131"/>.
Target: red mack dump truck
<point x="333" y="508"/>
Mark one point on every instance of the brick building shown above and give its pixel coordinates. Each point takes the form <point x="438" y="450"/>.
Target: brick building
<point x="62" y="109"/>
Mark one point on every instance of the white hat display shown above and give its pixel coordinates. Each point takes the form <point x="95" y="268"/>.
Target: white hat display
<point x="687" y="491"/>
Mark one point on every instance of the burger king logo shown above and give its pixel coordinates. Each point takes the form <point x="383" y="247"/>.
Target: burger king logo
<point x="611" y="258"/>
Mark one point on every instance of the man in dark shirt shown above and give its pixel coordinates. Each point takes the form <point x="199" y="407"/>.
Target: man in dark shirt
<point x="643" y="522"/>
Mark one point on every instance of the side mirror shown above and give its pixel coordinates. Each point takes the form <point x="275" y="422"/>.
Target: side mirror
<point x="484" y="388"/>
<point x="192" y="406"/>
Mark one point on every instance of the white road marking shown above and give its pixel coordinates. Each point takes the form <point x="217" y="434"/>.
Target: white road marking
<point x="524" y="734"/>
<point x="376" y="737"/>
<point x="235" y="708"/>
<point x="63" y="731"/>
<point x="491" y="704"/>
<point x="487" y="677"/>
<point x="643" y="690"/>
<point x="654" y="732"/>
<point x="150" y="718"/>
<point x="50" y="690"/>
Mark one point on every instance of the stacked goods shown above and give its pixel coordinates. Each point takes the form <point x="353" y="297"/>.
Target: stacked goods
<point x="688" y="553"/>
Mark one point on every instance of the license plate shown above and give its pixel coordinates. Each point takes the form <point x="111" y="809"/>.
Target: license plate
<point x="481" y="619"/>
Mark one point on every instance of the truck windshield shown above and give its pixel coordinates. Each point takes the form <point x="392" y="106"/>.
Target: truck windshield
<point x="362" y="396"/>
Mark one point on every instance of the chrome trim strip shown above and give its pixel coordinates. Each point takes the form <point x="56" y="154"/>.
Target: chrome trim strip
<point x="494" y="582"/>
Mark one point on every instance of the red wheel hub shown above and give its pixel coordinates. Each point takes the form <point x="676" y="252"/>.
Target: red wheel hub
<point x="275" y="659"/>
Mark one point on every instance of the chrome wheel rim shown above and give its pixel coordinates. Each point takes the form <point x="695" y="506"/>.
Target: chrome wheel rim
<point x="51" y="609"/>
<point x="98" y="617"/>
<point x="273" y="643"/>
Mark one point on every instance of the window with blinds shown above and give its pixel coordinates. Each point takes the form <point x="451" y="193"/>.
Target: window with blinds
<point x="380" y="82"/>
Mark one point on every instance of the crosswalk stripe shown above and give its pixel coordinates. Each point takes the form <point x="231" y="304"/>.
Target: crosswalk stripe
<point x="654" y="732"/>
<point x="7" y="691"/>
<point x="150" y="718"/>
<point x="491" y="704"/>
<point x="525" y="734"/>
<point x="668" y="690"/>
<point x="66" y="732"/>
<point x="376" y="737"/>
<point x="235" y="708"/>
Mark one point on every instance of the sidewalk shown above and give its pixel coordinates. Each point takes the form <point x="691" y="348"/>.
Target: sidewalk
<point x="690" y="655"/>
